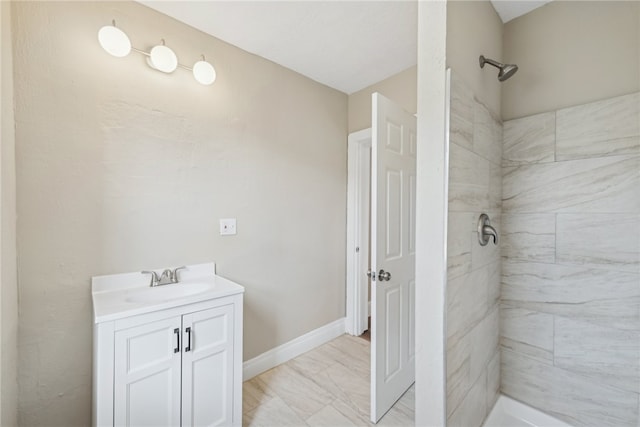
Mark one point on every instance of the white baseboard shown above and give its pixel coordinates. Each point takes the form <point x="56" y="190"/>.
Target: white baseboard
<point x="287" y="351"/>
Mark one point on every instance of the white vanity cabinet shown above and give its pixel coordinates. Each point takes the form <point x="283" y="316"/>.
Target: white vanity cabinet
<point x="179" y="364"/>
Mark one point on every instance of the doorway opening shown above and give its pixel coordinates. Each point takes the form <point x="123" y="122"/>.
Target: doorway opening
<point x="381" y="248"/>
<point x="358" y="231"/>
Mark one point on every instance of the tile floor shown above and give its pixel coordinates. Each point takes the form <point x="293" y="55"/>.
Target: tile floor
<point x="328" y="386"/>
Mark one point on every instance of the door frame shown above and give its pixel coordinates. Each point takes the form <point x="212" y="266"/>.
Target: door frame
<point x="431" y="214"/>
<point x="358" y="196"/>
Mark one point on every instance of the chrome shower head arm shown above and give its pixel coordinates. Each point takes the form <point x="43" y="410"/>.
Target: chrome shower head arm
<point x="484" y="60"/>
<point x="506" y="70"/>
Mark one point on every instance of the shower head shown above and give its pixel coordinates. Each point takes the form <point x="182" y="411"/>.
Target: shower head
<point x="506" y="70"/>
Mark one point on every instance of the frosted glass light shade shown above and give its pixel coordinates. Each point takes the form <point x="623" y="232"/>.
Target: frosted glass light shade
<point x="163" y="59"/>
<point x="204" y="73"/>
<point x="114" y="41"/>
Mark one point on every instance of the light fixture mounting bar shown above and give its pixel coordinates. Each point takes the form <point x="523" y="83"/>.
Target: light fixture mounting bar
<point x="148" y="54"/>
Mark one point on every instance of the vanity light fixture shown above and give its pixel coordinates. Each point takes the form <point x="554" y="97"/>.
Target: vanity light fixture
<point x="116" y="42"/>
<point x="203" y="72"/>
<point x="162" y="58"/>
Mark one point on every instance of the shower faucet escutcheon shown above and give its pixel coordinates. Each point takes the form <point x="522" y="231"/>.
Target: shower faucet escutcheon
<point x="486" y="231"/>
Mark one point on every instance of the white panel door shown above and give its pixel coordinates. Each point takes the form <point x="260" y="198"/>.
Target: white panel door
<point x="207" y="376"/>
<point x="147" y="374"/>
<point x="393" y="193"/>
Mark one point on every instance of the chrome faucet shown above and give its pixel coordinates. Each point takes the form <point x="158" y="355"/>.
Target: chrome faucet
<point x="167" y="277"/>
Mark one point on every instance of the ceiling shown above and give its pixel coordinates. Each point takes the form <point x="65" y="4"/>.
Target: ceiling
<point x="510" y="9"/>
<point x="346" y="45"/>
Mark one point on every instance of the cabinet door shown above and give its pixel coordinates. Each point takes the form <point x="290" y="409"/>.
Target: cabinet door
<point x="207" y="369"/>
<point x="147" y="374"/>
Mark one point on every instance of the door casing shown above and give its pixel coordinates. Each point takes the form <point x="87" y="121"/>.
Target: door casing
<point x="358" y="241"/>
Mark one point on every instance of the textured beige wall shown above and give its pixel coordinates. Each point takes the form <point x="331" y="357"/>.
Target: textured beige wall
<point x="401" y="88"/>
<point x="473" y="29"/>
<point x="122" y="168"/>
<point x="8" y="285"/>
<point x="570" y="53"/>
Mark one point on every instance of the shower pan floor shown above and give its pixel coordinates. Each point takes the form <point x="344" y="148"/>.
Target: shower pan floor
<point x="511" y="413"/>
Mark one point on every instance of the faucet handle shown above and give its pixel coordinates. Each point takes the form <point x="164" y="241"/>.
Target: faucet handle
<point x="489" y="232"/>
<point x="486" y="231"/>
<point x="154" y="277"/>
<point x="174" y="274"/>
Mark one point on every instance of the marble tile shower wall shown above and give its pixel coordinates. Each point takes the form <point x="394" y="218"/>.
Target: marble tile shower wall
<point x="570" y="296"/>
<point x="473" y="285"/>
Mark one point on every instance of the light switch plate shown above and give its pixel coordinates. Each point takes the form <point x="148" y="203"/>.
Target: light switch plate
<point x="227" y="226"/>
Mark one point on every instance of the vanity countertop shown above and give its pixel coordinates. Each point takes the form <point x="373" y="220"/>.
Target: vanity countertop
<point x="122" y="295"/>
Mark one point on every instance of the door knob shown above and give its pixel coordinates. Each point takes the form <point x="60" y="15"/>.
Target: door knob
<point x="384" y="275"/>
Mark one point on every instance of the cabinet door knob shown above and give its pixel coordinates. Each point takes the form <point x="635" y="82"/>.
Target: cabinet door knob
<point x="177" y="332"/>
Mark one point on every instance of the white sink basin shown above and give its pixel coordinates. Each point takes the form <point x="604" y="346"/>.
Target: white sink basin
<point x="117" y="296"/>
<point x="166" y="292"/>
